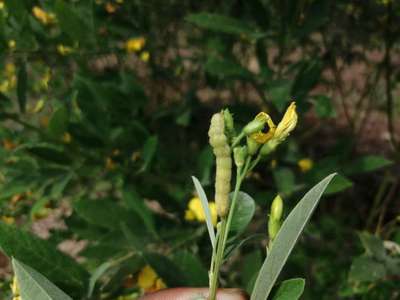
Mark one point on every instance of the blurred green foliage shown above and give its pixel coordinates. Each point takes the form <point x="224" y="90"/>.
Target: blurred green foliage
<point x="105" y="106"/>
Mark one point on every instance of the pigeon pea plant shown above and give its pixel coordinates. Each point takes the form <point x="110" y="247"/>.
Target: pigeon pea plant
<point x="255" y="142"/>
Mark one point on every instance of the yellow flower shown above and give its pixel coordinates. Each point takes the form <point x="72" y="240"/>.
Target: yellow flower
<point x="135" y="44"/>
<point x="12" y="44"/>
<point x="9" y="69"/>
<point x="9" y="144"/>
<point x="66" y="138"/>
<point x="149" y="281"/>
<point x="1" y="4"/>
<point x="195" y="211"/>
<point x="110" y="8"/>
<point x="263" y="136"/>
<point x="8" y="220"/>
<point x="4" y="86"/>
<point x="287" y="124"/>
<point x="44" y="17"/>
<point x="64" y="50"/>
<point x="119" y="1"/>
<point x="305" y="164"/>
<point x="145" y="56"/>
<point x="110" y="164"/>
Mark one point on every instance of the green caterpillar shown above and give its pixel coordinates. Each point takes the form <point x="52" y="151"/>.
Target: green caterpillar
<point x="222" y="151"/>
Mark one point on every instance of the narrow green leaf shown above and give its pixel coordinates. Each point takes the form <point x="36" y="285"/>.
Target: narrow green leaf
<point x="291" y="289"/>
<point x="206" y="208"/>
<point x="58" y="122"/>
<point x="98" y="272"/>
<point x="367" y="163"/>
<point x="223" y="24"/>
<point x="34" y="286"/>
<point x="22" y="86"/>
<point x="149" y="150"/>
<point x="287" y="237"/>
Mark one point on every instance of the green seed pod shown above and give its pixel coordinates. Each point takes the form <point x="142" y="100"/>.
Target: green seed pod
<point x="239" y="155"/>
<point x="222" y="152"/>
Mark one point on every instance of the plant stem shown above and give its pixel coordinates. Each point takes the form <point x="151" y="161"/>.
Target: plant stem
<point x="223" y="234"/>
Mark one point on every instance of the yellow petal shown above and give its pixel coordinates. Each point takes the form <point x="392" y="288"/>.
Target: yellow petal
<point x="147" y="278"/>
<point x="305" y="164"/>
<point x="287" y="124"/>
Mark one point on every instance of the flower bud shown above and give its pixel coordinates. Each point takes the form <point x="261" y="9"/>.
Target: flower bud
<point x="228" y="119"/>
<point x="254" y="126"/>
<point x="277" y="208"/>
<point x="269" y="147"/>
<point x="239" y="155"/>
<point x="273" y="229"/>
<point x="252" y="146"/>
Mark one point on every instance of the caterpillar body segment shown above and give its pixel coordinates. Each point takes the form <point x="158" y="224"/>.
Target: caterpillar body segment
<point x="222" y="152"/>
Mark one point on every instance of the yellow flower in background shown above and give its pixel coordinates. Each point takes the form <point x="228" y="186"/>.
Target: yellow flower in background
<point x="12" y="44"/>
<point x="9" y="70"/>
<point x="287" y="124"/>
<point x="110" y="164"/>
<point x="9" y="144"/>
<point x="119" y="1"/>
<point x="145" y="56"/>
<point x="110" y="8"/>
<point x="44" y="81"/>
<point x="64" y="50"/>
<point x="149" y="281"/>
<point x="1" y="4"/>
<point x="44" y="17"/>
<point x="66" y="138"/>
<point x="274" y="163"/>
<point x="261" y="136"/>
<point x="135" y="44"/>
<point x="195" y="211"/>
<point x="305" y="164"/>
<point x="8" y="220"/>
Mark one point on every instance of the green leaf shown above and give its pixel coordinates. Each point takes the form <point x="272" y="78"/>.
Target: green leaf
<point x="244" y="212"/>
<point x="104" y="213"/>
<point x="136" y="203"/>
<point x="338" y="184"/>
<point x="373" y="245"/>
<point x="324" y="107"/>
<point x="285" y="181"/>
<point x="206" y="209"/>
<point x="70" y="22"/>
<point x="226" y="68"/>
<point x="367" y="163"/>
<point x="223" y="24"/>
<point x="149" y="150"/>
<point x="195" y="273"/>
<point x="48" y="152"/>
<point x="42" y="255"/>
<point x="291" y="289"/>
<point x="166" y="269"/>
<point x="22" y="86"/>
<point x="59" y="122"/>
<point x="306" y="79"/>
<point x="366" y="269"/>
<point x="252" y="263"/>
<point x="287" y="237"/>
<point x="34" y="286"/>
